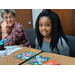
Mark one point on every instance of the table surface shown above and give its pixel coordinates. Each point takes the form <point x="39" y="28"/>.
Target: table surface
<point x="61" y="59"/>
<point x="9" y="60"/>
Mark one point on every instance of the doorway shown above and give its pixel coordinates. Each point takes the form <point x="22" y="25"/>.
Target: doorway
<point x="24" y="16"/>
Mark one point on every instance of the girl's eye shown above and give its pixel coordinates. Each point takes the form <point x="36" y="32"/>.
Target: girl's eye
<point x="47" y="25"/>
<point x="40" y="25"/>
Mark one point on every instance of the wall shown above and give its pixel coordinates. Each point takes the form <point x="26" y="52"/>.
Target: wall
<point x="35" y="13"/>
<point x="0" y="16"/>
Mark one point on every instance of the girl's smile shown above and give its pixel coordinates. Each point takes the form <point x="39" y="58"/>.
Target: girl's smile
<point x="44" y="32"/>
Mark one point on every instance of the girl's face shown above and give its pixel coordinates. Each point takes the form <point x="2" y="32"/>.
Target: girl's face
<point x="45" y="26"/>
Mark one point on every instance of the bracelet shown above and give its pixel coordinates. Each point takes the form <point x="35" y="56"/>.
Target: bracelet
<point x="4" y="32"/>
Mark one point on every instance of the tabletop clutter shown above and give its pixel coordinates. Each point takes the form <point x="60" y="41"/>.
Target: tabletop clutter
<point x="19" y="55"/>
<point x="8" y="50"/>
<point x="34" y="58"/>
<point x="2" y="49"/>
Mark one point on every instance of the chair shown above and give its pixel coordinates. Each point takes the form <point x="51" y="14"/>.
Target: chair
<point x="71" y="43"/>
<point x="30" y="33"/>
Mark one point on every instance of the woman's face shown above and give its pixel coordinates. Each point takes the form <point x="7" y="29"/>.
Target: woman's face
<point x="9" y="18"/>
<point x="45" y="26"/>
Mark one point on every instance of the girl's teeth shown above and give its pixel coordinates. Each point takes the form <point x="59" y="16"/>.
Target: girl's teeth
<point x="44" y="32"/>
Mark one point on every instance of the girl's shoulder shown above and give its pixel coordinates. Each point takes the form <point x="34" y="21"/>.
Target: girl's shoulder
<point x="62" y="41"/>
<point x="63" y="47"/>
<point x="36" y="41"/>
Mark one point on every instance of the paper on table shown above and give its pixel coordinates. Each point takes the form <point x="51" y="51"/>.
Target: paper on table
<point x="11" y="49"/>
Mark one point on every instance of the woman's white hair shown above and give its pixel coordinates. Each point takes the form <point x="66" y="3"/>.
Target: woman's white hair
<point x="3" y="11"/>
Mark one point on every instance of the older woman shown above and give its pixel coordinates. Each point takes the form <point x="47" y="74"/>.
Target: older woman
<point x="11" y="30"/>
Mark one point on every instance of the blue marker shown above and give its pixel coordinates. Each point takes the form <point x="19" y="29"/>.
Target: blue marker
<point x="2" y="41"/>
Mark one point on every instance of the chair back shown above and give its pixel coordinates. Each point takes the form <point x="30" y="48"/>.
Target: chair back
<point x="71" y="43"/>
<point x="30" y="33"/>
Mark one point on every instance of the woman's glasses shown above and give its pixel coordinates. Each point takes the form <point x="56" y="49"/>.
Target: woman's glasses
<point x="10" y="17"/>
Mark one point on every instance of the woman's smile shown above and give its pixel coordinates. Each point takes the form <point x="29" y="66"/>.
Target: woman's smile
<point x="9" y="23"/>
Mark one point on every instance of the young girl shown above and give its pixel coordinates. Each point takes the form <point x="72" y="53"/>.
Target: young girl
<point x="50" y="35"/>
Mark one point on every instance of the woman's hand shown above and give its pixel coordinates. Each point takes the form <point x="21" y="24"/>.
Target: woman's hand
<point x="5" y="27"/>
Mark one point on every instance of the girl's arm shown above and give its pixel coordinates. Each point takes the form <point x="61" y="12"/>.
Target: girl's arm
<point x="37" y="45"/>
<point x="64" y="48"/>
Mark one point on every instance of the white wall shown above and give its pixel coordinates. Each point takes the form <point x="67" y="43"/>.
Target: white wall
<point x="0" y="16"/>
<point x="35" y="13"/>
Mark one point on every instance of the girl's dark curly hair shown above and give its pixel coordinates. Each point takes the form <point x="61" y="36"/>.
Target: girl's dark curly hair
<point x="56" y="31"/>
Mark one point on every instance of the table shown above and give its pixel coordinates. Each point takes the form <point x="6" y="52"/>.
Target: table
<point x="9" y="60"/>
<point x="61" y="59"/>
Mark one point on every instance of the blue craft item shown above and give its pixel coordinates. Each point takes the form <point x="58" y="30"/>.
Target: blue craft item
<point x="3" y="40"/>
<point x="2" y="45"/>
